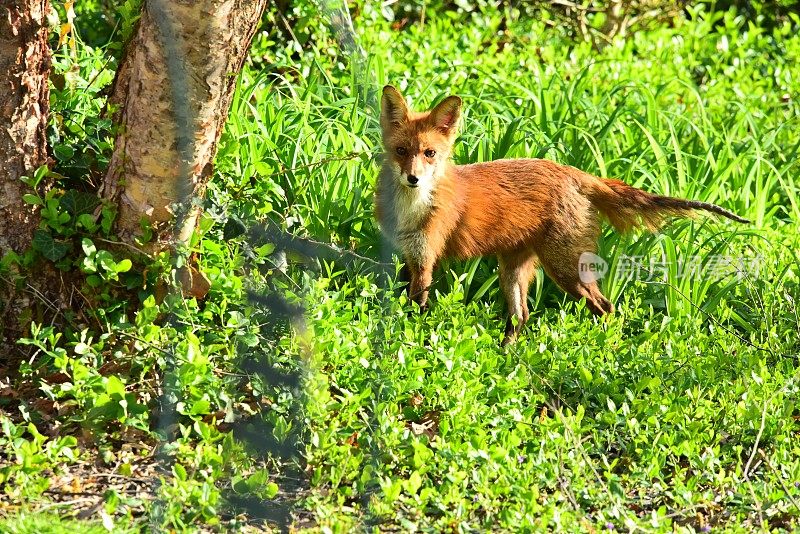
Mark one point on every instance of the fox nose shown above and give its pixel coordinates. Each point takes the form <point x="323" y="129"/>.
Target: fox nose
<point x="412" y="179"/>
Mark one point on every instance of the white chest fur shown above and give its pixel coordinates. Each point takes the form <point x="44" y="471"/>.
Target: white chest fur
<point x="405" y="213"/>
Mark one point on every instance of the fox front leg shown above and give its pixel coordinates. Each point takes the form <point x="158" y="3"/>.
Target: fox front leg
<point x="421" y="279"/>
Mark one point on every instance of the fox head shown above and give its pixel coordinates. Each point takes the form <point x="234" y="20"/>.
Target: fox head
<point x="418" y="145"/>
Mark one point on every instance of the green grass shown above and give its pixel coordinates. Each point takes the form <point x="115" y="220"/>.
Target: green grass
<point x="679" y="412"/>
<point x="30" y="523"/>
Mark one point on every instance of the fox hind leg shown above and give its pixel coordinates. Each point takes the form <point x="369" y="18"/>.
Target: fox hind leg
<point x="597" y="303"/>
<point x="564" y="271"/>
<point x="560" y="252"/>
<point x="516" y="273"/>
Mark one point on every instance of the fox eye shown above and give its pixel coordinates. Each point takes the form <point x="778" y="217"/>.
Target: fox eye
<point x="430" y="153"/>
<point x="401" y="151"/>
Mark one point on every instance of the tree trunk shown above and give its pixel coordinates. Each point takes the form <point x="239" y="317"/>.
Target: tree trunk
<point x="24" y="106"/>
<point x="172" y="92"/>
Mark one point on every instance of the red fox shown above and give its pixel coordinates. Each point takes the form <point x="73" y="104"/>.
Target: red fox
<point x="528" y="212"/>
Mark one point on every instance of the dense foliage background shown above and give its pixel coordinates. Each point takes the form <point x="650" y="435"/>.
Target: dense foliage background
<point x="680" y="411"/>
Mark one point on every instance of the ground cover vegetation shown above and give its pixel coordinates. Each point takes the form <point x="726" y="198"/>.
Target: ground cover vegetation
<point x="341" y="408"/>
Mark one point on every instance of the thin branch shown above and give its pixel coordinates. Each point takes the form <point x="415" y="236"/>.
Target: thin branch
<point x="124" y="244"/>
<point x="759" y="505"/>
<point x="746" y="472"/>
<point x="317" y="163"/>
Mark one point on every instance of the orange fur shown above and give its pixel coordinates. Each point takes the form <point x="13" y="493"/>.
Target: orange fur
<point x="526" y="211"/>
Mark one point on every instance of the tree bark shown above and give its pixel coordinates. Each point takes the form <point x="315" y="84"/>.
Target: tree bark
<point x="172" y="93"/>
<point x="24" y="106"/>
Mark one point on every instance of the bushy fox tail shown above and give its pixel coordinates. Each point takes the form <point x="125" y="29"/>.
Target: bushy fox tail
<point x="627" y="207"/>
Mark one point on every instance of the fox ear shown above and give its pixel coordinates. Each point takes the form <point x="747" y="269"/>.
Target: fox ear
<point x="393" y="107"/>
<point x="445" y="116"/>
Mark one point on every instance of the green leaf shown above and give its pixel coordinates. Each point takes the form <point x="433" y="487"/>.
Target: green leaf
<point x="39" y="175"/>
<point x="106" y="260"/>
<point x="262" y="168"/>
<point x="271" y="491"/>
<point x="51" y="249"/>
<point x="123" y="266"/>
<point x="88" y="221"/>
<point x="88" y="246"/>
<point x="249" y="339"/>
<point x="108" y="214"/>
<point x="200" y="407"/>
<point x="239" y="485"/>
<point x="257" y="480"/>
<point x="265" y="249"/>
<point x="115" y="386"/>
<point x="33" y="200"/>
<point x="63" y="152"/>
<point x="180" y="472"/>
<point x="587" y="375"/>
<point x="413" y="483"/>
<point x="148" y="313"/>
<point x="78" y="202"/>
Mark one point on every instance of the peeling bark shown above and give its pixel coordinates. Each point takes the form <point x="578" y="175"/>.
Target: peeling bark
<point x="24" y="106"/>
<point x="170" y="124"/>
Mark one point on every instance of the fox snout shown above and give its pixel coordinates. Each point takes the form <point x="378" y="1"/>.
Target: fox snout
<point x="415" y="172"/>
